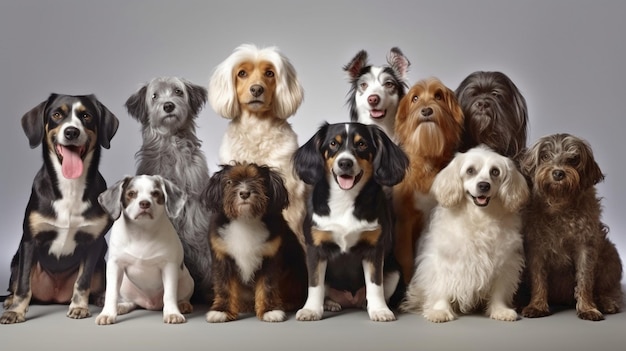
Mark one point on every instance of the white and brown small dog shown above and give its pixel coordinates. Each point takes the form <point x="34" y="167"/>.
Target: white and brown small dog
<point x="569" y="258"/>
<point x="471" y="255"/>
<point x="258" y="90"/>
<point x="145" y="265"/>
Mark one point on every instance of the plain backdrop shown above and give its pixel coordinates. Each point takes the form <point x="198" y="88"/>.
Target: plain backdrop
<point x="567" y="58"/>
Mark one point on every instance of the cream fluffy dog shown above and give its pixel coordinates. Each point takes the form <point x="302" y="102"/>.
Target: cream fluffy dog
<point x="258" y="90"/>
<point x="471" y="255"/>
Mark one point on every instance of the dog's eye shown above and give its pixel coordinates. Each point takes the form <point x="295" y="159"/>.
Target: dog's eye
<point x="269" y="74"/>
<point x="495" y="93"/>
<point x="334" y="144"/>
<point x="178" y="92"/>
<point x="155" y="193"/>
<point x="438" y="96"/>
<point x="389" y="85"/>
<point x="242" y="74"/>
<point x="363" y="86"/>
<point x="56" y="116"/>
<point x="361" y="145"/>
<point x="415" y="98"/>
<point x="87" y="117"/>
<point x="495" y="172"/>
<point x="131" y="194"/>
<point x="545" y="157"/>
<point x="574" y="160"/>
<point x="154" y="96"/>
<point x="470" y="171"/>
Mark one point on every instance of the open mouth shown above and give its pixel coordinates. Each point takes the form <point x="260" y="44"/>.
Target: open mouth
<point x="480" y="201"/>
<point x="71" y="158"/>
<point x="347" y="181"/>
<point x="378" y="114"/>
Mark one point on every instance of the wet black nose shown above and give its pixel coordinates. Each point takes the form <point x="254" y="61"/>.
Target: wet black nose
<point x="169" y="107"/>
<point x="71" y="133"/>
<point x="558" y="175"/>
<point x="244" y="194"/>
<point x="426" y="112"/>
<point x="482" y="104"/>
<point x="345" y="164"/>
<point x="256" y="90"/>
<point x="484" y="187"/>
<point x="144" y="205"/>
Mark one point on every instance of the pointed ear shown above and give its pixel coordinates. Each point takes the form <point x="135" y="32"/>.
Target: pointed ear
<point x="197" y="96"/>
<point x="390" y="162"/>
<point x="308" y="160"/>
<point x="356" y="64"/>
<point x="448" y="185"/>
<point x="111" y="199"/>
<point x="276" y="191"/>
<point x="514" y="191"/>
<point x="398" y="62"/>
<point x="213" y="194"/>
<point x="175" y="197"/>
<point x="136" y="105"/>
<point x="33" y="123"/>
<point x="108" y="123"/>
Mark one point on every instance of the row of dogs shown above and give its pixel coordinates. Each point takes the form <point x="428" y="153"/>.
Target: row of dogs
<point x="428" y="200"/>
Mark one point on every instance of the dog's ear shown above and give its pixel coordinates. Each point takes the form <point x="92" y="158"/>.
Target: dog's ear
<point x="398" y="62"/>
<point x="136" y="105"/>
<point x="514" y="191"/>
<point x="111" y="199"/>
<point x="528" y="159"/>
<point x="197" y="96"/>
<point x="213" y="194"/>
<point x="390" y="162"/>
<point x="175" y="197"/>
<point x="33" y="123"/>
<point x="276" y="190"/>
<point x="222" y="93"/>
<point x="454" y="106"/>
<point x="289" y="91"/>
<point x="592" y="172"/>
<point x="108" y="123"/>
<point x="356" y="64"/>
<point x="447" y="187"/>
<point x="308" y="160"/>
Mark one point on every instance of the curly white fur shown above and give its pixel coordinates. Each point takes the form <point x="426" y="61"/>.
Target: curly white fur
<point x="471" y="255"/>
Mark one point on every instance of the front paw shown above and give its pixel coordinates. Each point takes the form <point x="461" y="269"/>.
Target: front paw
<point x="306" y="314"/>
<point x="274" y="316"/>
<point x="105" y="319"/>
<point x="382" y="315"/>
<point x="11" y="317"/>
<point x="504" y="314"/>
<point x="216" y="317"/>
<point x="332" y="306"/>
<point x="439" y="316"/>
<point x="173" y="318"/>
<point x="590" y="315"/>
<point x="78" y="313"/>
<point x="534" y="312"/>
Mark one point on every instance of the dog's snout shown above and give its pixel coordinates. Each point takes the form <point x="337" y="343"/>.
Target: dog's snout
<point x="373" y="99"/>
<point x="558" y="174"/>
<point x="71" y="133"/>
<point x="144" y="205"/>
<point x="256" y="90"/>
<point x="244" y="194"/>
<point x="427" y="112"/>
<point x="169" y="106"/>
<point x="484" y="187"/>
<point x="482" y="104"/>
<point x="345" y="164"/>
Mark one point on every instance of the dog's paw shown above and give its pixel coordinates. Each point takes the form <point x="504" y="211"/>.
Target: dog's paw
<point x="12" y="317"/>
<point x="274" y="316"/>
<point x="78" y="313"/>
<point x="332" y="306"/>
<point x="439" y="316"/>
<point x="382" y="315"/>
<point x="105" y="319"/>
<point x="533" y="312"/>
<point x="306" y="314"/>
<point x="504" y="314"/>
<point x="174" y="318"/>
<point x="125" y="307"/>
<point x="590" y="315"/>
<point x="185" y="307"/>
<point x="216" y="317"/>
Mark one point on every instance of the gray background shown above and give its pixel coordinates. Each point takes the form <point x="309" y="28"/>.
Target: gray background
<point x="565" y="56"/>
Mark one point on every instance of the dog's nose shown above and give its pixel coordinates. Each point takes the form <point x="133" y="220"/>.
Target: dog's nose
<point x="71" y="133"/>
<point x="482" y="104"/>
<point x="558" y="175"/>
<point x="244" y="194"/>
<point x="373" y="99"/>
<point x="169" y="106"/>
<point x="256" y="90"/>
<point x="144" y="205"/>
<point x="484" y="186"/>
<point x="426" y="112"/>
<point x="345" y="164"/>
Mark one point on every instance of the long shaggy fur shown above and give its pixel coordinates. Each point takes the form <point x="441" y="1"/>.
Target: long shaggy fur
<point x="167" y="108"/>
<point x="429" y="126"/>
<point x="258" y="90"/>
<point x="570" y="260"/>
<point x="471" y="254"/>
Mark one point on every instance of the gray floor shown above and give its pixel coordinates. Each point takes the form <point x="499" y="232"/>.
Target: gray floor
<point x="48" y="328"/>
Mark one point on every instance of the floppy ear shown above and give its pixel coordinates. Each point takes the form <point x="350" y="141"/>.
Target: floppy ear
<point x="514" y="191"/>
<point x="111" y="199"/>
<point x="108" y="123"/>
<point x="454" y="106"/>
<point x="592" y="172"/>
<point x="390" y="162"/>
<point x="213" y="194"/>
<point x="222" y="93"/>
<point x="448" y="185"/>
<point x="136" y="105"/>
<point x="32" y="123"/>
<point x="197" y="96"/>
<point x="276" y="191"/>
<point x="308" y="160"/>
<point x="289" y="91"/>
<point x="175" y="197"/>
<point x="528" y="159"/>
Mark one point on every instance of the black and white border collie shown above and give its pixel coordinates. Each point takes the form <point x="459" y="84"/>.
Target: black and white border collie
<point x="376" y="90"/>
<point x="349" y="224"/>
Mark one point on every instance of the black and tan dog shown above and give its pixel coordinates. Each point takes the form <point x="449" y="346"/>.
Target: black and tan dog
<point x="60" y="258"/>
<point x="349" y="225"/>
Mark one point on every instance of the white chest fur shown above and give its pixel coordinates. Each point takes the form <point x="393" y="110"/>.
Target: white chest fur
<point x="244" y="241"/>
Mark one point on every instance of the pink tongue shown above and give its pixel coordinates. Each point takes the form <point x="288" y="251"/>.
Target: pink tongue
<point x="377" y="113"/>
<point x="345" y="182"/>
<point x="482" y="200"/>
<point x="72" y="166"/>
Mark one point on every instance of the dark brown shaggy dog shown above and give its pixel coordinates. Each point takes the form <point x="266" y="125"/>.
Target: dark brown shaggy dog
<point x="568" y="255"/>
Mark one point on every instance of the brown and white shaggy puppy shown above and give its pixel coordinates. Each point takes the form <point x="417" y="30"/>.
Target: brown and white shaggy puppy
<point x="429" y="126"/>
<point x="569" y="258"/>
<point x="495" y="113"/>
<point x="167" y="108"/>
<point x="258" y="265"/>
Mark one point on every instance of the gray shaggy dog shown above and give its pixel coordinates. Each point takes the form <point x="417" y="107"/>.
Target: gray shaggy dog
<point x="167" y="108"/>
